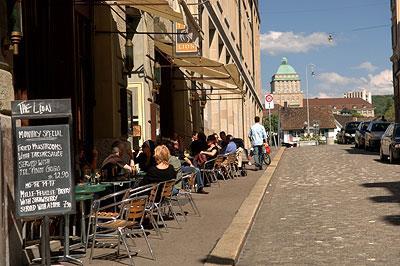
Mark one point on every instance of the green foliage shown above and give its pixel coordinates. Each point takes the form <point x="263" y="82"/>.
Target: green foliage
<point x="382" y="104"/>
<point x="389" y="114"/>
<point x="310" y="137"/>
<point x="353" y="113"/>
<point x="274" y="122"/>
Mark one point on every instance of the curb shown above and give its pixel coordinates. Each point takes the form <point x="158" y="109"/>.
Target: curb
<point x="229" y="246"/>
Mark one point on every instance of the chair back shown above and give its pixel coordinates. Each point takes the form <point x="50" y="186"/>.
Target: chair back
<point x="153" y="194"/>
<point x="136" y="208"/>
<point x="139" y="191"/>
<point x="232" y="158"/>
<point x="167" y="189"/>
<point x="192" y="180"/>
<point x="218" y="161"/>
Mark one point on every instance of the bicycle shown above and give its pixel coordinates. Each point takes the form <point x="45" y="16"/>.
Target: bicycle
<point x="267" y="157"/>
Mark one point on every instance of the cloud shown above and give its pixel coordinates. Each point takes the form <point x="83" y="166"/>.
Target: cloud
<point x="336" y="79"/>
<point x="275" y="42"/>
<point x="332" y="84"/>
<point x="381" y="83"/>
<point x="366" y="66"/>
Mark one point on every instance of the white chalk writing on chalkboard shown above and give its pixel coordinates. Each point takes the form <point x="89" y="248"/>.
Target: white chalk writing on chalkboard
<point x="34" y="108"/>
<point x="43" y="169"/>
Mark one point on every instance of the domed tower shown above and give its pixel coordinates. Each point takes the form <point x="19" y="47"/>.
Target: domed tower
<point x="286" y="86"/>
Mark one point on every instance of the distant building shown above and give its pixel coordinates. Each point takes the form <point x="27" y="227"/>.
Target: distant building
<point x="363" y="94"/>
<point x="395" y="8"/>
<point x="343" y="105"/>
<point x="286" y="86"/>
<point x="294" y="124"/>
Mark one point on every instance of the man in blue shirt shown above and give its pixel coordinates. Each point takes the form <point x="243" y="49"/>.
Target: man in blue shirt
<point x="231" y="147"/>
<point x="258" y="136"/>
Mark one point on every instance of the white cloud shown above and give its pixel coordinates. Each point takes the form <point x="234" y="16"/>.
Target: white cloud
<point x="381" y="83"/>
<point x="275" y="42"/>
<point x="366" y="66"/>
<point x="332" y="84"/>
<point x="336" y="79"/>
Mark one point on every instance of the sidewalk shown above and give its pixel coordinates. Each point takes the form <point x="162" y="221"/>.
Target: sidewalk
<point x="191" y="244"/>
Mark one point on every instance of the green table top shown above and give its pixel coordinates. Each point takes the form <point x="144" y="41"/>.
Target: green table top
<point x="90" y="188"/>
<point x="83" y="197"/>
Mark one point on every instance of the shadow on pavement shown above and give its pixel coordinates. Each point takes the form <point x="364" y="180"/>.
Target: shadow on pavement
<point x="394" y="188"/>
<point x="218" y="260"/>
<point x="353" y="150"/>
<point x="392" y="219"/>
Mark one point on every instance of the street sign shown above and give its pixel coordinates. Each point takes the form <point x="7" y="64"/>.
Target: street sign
<point x="269" y="101"/>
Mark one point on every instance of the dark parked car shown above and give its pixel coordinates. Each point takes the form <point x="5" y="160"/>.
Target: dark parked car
<point x="360" y="134"/>
<point x="349" y="132"/>
<point x="390" y="143"/>
<point x="374" y="133"/>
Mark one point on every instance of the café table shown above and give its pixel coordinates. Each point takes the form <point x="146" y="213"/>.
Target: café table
<point x="85" y="192"/>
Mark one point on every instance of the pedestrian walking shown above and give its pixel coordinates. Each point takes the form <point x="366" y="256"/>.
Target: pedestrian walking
<point x="258" y="136"/>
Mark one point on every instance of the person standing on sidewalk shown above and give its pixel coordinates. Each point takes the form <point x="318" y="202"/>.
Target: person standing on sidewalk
<point x="258" y="136"/>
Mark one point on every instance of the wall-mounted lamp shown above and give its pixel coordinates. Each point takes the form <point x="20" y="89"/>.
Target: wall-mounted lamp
<point x="129" y="56"/>
<point x="157" y="74"/>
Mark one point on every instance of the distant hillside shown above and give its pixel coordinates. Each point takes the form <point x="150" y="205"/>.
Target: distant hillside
<point x="383" y="104"/>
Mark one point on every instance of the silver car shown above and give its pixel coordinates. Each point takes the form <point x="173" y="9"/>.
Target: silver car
<point x="374" y="133"/>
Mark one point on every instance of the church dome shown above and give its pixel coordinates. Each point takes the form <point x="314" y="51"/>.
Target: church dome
<point x="285" y="68"/>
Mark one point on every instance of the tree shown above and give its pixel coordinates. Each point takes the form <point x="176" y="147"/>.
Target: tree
<point x="389" y="114"/>
<point x="274" y="122"/>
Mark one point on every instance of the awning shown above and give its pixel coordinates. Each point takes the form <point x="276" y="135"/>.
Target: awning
<point x="159" y="8"/>
<point x="215" y="74"/>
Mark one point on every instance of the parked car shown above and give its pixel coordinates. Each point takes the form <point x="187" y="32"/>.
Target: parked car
<point x="349" y="132"/>
<point x="359" y="139"/>
<point x="390" y="143"/>
<point x="373" y="134"/>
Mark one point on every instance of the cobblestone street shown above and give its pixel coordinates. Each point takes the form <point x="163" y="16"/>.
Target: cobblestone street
<point x="328" y="205"/>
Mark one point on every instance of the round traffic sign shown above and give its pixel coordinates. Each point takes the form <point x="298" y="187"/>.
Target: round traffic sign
<point x="269" y="98"/>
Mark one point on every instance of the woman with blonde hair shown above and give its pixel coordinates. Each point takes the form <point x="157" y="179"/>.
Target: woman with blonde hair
<point x="163" y="171"/>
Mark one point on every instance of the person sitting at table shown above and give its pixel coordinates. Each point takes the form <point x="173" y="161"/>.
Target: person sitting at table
<point x="230" y="147"/>
<point x="212" y="150"/>
<point x="187" y="166"/>
<point x="113" y="166"/>
<point x="163" y="170"/>
<point x="145" y="158"/>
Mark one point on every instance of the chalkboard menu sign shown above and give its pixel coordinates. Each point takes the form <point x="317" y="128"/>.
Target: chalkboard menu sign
<point x="44" y="170"/>
<point x="43" y="167"/>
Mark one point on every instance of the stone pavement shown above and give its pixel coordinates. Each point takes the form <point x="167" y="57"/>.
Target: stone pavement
<point x="328" y="205"/>
<point x="191" y="244"/>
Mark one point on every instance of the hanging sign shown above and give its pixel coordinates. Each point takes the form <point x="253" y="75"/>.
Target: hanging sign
<point x="186" y="41"/>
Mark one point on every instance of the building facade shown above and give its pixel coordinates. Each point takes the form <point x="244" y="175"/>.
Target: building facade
<point x="362" y="94"/>
<point x="286" y="86"/>
<point x="350" y="106"/>
<point x="133" y="69"/>
<point x="395" y="58"/>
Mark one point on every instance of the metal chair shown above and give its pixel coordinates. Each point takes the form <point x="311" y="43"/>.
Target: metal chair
<point x="165" y="200"/>
<point x="188" y="182"/>
<point x="211" y="174"/>
<point x="136" y="214"/>
<point x="113" y="227"/>
<point x="108" y="214"/>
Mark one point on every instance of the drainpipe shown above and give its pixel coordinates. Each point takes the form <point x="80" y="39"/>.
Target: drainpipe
<point x="240" y="53"/>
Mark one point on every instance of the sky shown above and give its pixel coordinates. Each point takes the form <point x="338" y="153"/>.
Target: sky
<point x="357" y="57"/>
